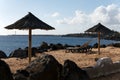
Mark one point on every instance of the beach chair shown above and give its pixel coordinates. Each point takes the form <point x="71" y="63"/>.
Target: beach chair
<point x="72" y="49"/>
<point x="84" y="48"/>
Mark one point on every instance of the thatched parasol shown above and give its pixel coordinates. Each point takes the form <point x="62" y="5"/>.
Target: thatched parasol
<point x="99" y="28"/>
<point x="29" y="22"/>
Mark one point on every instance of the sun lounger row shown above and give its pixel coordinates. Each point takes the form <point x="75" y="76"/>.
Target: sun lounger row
<point x="78" y="49"/>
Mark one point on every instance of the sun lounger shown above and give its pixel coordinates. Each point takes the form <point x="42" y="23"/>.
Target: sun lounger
<point x="72" y="49"/>
<point x="84" y="48"/>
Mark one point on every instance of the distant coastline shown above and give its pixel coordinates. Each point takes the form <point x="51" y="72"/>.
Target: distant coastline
<point x="113" y="36"/>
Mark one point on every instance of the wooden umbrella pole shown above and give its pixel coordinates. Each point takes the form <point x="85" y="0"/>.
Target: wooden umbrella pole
<point x="30" y="45"/>
<point x="99" y="43"/>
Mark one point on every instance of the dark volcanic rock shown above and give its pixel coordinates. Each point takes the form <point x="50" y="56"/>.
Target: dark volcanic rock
<point x="43" y="68"/>
<point x="47" y="67"/>
<point x="101" y="46"/>
<point x="95" y="45"/>
<point x="56" y="46"/>
<point x="5" y="73"/>
<point x="19" y="53"/>
<point x="72" y="72"/>
<point x="21" y="75"/>
<point x="23" y="53"/>
<point x="115" y="45"/>
<point x="2" y="55"/>
<point x="44" y="46"/>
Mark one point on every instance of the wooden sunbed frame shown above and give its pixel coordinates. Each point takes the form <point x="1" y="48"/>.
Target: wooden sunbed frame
<point x="84" y="48"/>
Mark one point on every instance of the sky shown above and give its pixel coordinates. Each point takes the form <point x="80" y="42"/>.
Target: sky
<point x="66" y="16"/>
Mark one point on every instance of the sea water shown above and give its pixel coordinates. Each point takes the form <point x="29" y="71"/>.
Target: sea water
<point x="10" y="43"/>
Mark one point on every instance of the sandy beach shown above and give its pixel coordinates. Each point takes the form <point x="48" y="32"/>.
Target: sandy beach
<point x="81" y="59"/>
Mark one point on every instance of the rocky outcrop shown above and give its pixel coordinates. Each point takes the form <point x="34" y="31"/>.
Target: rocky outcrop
<point x="19" y="53"/>
<point x="5" y="73"/>
<point x="101" y="62"/>
<point x="104" y="67"/>
<point x="43" y="68"/>
<point x="2" y="54"/>
<point x="23" y="53"/>
<point x="101" y="46"/>
<point x="44" y="46"/>
<point x="56" y="46"/>
<point x="47" y="67"/>
<point x="72" y="72"/>
<point x="115" y="45"/>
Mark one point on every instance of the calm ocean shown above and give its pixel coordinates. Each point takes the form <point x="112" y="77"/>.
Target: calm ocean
<point x="10" y="43"/>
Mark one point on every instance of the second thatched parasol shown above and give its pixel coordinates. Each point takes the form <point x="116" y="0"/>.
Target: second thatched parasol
<point x="29" y="22"/>
<point x="99" y="28"/>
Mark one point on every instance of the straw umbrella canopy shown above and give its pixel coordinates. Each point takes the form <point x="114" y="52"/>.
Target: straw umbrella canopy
<point x="99" y="28"/>
<point x="29" y="22"/>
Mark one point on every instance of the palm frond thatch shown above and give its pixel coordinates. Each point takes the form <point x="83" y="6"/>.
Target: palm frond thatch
<point x="99" y="28"/>
<point x="29" y="21"/>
